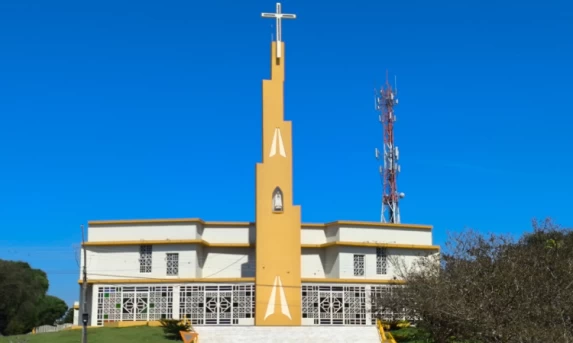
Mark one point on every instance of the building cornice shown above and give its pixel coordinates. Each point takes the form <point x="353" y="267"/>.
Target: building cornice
<point x="168" y="280"/>
<point x="168" y="242"/>
<point x="95" y="223"/>
<point x="350" y="223"/>
<point x="236" y="280"/>
<point x="338" y="223"/>
<point x="373" y="245"/>
<point x="249" y="245"/>
<point x="360" y="281"/>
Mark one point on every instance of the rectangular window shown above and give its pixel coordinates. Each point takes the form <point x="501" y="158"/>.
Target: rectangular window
<point x="173" y="264"/>
<point x="381" y="261"/>
<point x="145" y="259"/>
<point x="358" y="265"/>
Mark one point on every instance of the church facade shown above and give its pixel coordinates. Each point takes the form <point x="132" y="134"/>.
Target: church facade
<point x="275" y="271"/>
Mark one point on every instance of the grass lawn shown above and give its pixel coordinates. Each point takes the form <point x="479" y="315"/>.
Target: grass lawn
<point x="142" y="334"/>
<point x="145" y="334"/>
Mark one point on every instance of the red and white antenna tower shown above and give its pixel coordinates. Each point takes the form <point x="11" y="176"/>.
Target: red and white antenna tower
<point x="385" y="100"/>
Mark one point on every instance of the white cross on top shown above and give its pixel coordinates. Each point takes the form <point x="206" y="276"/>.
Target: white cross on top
<point x="279" y="16"/>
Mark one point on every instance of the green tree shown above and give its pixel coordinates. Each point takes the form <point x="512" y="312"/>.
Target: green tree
<point x="22" y="290"/>
<point x="69" y="317"/>
<point x="492" y="289"/>
<point x="51" y="310"/>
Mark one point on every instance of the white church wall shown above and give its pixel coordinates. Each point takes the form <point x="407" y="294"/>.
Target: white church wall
<point x="228" y="262"/>
<point x="332" y="262"/>
<point x="136" y="232"/>
<point x="91" y="308"/>
<point x="122" y="262"/>
<point x="312" y="263"/>
<point x="385" y="235"/>
<point x="332" y="234"/>
<point x="397" y="259"/>
<point x="401" y="261"/>
<point x="188" y="260"/>
<point x="346" y="257"/>
<point x="312" y="236"/>
<point x="200" y="260"/>
<point x="319" y="235"/>
<point x="227" y="235"/>
<point x="76" y="320"/>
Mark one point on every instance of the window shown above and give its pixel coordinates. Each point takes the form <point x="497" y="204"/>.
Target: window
<point x="218" y="304"/>
<point x="145" y="259"/>
<point x="358" y="265"/>
<point x="334" y="305"/>
<point x="381" y="261"/>
<point x="173" y="264"/>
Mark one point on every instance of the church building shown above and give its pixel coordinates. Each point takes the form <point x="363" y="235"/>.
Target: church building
<point x="275" y="271"/>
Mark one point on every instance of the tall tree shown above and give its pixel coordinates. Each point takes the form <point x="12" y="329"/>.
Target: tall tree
<point x="51" y="310"/>
<point x="69" y="317"/>
<point x="22" y="290"/>
<point x="491" y="288"/>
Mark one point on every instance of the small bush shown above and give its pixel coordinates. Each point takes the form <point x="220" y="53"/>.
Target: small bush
<point x="396" y="324"/>
<point x="410" y="335"/>
<point x="172" y="328"/>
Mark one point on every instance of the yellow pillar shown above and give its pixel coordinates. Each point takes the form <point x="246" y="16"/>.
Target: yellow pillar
<point x="278" y="221"/>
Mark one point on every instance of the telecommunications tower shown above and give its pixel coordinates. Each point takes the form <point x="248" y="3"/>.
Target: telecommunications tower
<point x="385" y="100"/>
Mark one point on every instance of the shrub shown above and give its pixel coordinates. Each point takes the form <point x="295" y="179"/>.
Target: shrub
<point x="172" y="327"/>
<point x="395" y="324"/>
<point x="410" y="335"/>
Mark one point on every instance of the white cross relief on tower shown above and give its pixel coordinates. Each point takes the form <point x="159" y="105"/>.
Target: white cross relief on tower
<point x="273" y="300"/>
<point x="279" y="16"/>
<point x="277" y="143"/>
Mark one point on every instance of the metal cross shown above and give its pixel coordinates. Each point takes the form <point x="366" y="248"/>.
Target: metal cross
<point x="279" y="16"/>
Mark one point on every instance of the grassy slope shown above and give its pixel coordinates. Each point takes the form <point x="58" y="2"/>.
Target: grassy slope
<point x="142" y="334"/>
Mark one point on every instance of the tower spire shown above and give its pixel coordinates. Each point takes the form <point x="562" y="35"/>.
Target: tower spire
<point x="278" y="219"/>
<point x="279" y="16"/>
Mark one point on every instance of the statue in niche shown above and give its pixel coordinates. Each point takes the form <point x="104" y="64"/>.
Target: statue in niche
<point x="277" y="200"/>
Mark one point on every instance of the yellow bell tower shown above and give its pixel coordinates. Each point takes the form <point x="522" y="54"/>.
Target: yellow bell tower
<point x="278" y="221"/>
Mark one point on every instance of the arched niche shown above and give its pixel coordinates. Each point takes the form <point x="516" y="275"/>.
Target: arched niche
<point x="278" y="200"/>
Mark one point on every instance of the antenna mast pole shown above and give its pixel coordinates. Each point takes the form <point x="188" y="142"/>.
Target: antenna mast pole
<point x="386" y="99"/>
<point x="84" y="291"/>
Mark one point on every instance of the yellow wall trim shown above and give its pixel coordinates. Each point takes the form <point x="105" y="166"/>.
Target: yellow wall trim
<point x="248" y="245"/>
<point x="369" y="281"/>
<point x="127" y="324"/>
<point x="235" y="280"/>
<point x="95" y="223"/>
<point x="378" y="245"/>
<point x="169" y="241"/>
<point x="166" y="221"/>
<point x="366" y="224"/>
<point x="173" y="280"/>
<point x="79" y="327"/>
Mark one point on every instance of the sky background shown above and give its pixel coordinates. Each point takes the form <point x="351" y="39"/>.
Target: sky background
<point x="152" y="109"/>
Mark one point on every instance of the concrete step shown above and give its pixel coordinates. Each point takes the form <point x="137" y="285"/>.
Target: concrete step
<point x="287" y="334"/>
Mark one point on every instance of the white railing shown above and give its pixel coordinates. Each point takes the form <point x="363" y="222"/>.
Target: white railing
<point x="51" y="328"/>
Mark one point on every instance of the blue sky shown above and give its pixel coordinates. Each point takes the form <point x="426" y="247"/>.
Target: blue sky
<point x="150" y="109"/>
